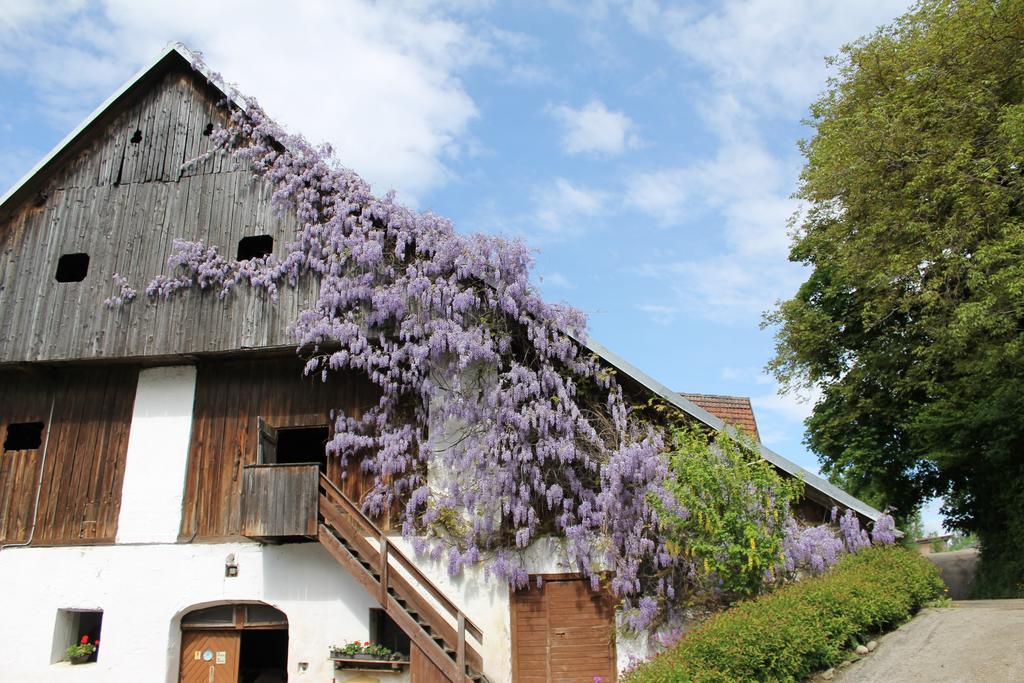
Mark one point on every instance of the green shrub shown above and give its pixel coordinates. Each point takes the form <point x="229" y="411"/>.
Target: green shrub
<point x="802" y="627"/>
<point x="736" y="510"/>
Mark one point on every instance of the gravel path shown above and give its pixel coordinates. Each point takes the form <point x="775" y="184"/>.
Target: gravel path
<point x="976" y="640"/>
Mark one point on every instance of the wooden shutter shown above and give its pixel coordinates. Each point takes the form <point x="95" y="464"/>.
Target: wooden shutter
<point x="267" y="443"/>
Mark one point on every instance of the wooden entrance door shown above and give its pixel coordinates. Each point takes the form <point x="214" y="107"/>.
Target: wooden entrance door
<point x="209" y="656"/>
<point x="562" y="633"/>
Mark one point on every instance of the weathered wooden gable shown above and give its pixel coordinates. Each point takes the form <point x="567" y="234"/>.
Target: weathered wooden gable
<point x="120" y="193"/>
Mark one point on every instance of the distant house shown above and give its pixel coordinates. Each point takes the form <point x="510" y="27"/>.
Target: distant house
<point x="933" y="544"/>
<point x="164" y="487"/>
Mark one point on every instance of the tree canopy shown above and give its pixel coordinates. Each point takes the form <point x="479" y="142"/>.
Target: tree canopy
<point x="910" y="321"/>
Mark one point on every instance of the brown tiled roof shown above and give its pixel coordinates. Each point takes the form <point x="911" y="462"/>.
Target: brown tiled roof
<point x="734" y="410"/>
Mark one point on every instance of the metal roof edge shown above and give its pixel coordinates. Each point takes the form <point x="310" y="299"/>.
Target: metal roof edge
<point x="172" y="47"/>
<point x="821" y="485"/>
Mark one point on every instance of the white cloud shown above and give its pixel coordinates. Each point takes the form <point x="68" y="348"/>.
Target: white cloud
<point x="740" y="197"/>
<point x="594" y="129"/>
<point x="764" y="64"/>
<point x="379" y="81"/>
<point x="793" y="406"/>
<point x="722" y="288"/>
<point x="661" y="194"/>
<point x="562" y="207"/>
<point x="770" y="51"/>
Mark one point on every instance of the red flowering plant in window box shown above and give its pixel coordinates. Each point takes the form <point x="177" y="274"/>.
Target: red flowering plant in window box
<point x="82" y="652"/>
<point x="363" y="650"/>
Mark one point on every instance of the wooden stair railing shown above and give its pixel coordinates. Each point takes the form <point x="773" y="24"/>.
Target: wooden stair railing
<point x="364" y="550"/>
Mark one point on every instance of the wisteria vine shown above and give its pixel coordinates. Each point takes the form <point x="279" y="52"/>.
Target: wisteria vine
<point x="530" y="435"/>
<point x="813" y="549"/>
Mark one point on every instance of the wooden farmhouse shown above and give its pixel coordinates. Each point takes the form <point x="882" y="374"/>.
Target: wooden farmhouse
<point x="163" y="482"/>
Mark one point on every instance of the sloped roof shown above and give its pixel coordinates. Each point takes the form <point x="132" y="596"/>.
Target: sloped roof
<point x="818" y="488"/>
<point x="734" y="410"/>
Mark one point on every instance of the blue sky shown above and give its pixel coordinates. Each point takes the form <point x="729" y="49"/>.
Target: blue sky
<point x="645" y="149"/>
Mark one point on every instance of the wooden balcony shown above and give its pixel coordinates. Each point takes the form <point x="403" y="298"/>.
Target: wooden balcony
<point x="280" y="501"/>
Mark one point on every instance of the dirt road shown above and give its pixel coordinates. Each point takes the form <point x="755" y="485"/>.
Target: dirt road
<point x="977" y="640"/>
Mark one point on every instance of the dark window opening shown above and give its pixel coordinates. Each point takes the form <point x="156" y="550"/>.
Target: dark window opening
<point x="137" y="137"/>
<point x="208" y="131"/>
<point x="258" y="246"/>
<point x="77" y="627"/>
<point x="303" y="444"/>
<point x="384" y="631"/>
<point x="23" y="436"/>
<point x="72" y="267"/>
<point x="293" y="445"/>
<point x="263" y="656"/>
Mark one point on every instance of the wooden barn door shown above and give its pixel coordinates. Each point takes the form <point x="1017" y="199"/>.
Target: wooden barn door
<point x="209" y="656"/>
<point x="563" y="632"/>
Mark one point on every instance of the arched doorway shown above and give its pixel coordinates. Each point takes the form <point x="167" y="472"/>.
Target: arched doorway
<point x="234" y="643"/>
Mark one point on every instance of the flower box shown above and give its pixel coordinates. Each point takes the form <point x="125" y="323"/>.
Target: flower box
<point x="355" y="663"/>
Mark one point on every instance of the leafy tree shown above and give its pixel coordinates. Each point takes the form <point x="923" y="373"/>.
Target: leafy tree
<point x="911" y="318"/>
<point x="962" y="541"/>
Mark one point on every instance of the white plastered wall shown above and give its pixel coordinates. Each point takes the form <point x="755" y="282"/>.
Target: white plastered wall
<point x="144" y="589"/>
<point x="145" y="582"/>
<point x="157" y="458"/>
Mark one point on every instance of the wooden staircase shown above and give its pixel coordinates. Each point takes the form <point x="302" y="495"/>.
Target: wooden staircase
<point x="435" y="624"/>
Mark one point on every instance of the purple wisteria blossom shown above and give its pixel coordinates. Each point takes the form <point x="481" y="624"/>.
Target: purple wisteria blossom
<point x="884" y="530"/>
<point x="451" y="331"/>
<point x="854" y="538"/>
<point x="125" y="292"/>
<point x="816" y="548"/>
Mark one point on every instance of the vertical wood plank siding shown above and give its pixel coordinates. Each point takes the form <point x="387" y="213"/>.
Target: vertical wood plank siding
<point x="23" y="398"/>
<point x="123" y="203"/>
<point x="563" y="632"/>
<point x="85" y="447"/>
<point x="230" y="397"/>
<point x="421" y="669"/>
<point x="280" y="500"/>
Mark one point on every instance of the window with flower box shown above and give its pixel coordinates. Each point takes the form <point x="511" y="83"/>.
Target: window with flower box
<point x="77" y="627"/>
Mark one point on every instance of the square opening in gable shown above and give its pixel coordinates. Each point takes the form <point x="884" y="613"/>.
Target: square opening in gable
<point x="293" y="445"/>
<point x="258" y="246"/>
<point x="72" y="267"/>
<point x="23" y="436"/>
